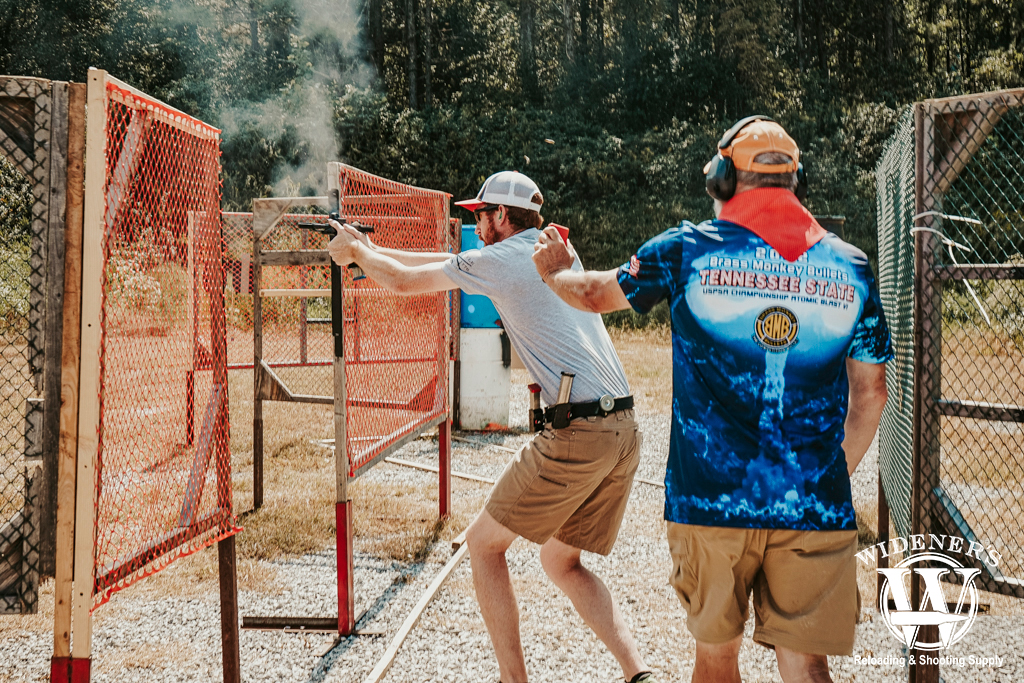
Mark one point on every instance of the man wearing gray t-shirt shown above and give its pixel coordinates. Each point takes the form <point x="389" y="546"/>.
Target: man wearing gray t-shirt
<point x="567" y="488"/>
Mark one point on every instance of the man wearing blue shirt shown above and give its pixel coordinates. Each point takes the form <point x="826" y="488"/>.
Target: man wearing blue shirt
<point x="779" y="350"/>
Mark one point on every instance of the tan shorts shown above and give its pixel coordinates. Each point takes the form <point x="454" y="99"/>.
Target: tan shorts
<point x="804" y="585"/>
<point x="571" y="483"/>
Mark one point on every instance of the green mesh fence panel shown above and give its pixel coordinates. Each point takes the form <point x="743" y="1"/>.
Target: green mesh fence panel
<point x="895" y="196"/>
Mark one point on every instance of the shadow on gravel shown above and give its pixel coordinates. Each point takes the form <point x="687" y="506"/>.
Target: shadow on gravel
<point x="406" y="575"/>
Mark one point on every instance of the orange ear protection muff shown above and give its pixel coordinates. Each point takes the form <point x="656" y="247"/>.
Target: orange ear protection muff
<point x="720" y="180"/>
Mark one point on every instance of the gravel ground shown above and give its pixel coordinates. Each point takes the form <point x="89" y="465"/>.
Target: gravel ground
<point x="146" y="637"/>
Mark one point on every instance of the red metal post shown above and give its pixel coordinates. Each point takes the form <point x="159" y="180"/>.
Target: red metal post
<point x="346" y="570"/>
<point x="444" y="469"/>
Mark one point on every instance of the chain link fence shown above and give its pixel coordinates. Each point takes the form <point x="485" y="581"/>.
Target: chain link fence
<point x="951" y="258"/>
<point x="25" y="128"/>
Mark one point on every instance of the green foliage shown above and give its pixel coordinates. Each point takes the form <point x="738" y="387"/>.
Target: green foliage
<point x="634" y="93"/>
<point x="14" y="286"/>
<point x="15" y="203"/>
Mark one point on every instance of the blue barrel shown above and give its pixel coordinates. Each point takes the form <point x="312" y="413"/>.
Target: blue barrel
<point x="477" y="309"/>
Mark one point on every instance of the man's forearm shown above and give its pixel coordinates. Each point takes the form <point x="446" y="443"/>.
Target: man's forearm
<point x="384" y="269"/>
<point x="413" y="258"/>
<point x="861" y="425"/>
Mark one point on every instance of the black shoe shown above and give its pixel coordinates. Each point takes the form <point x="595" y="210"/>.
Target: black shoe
<point x="643" y="677"/>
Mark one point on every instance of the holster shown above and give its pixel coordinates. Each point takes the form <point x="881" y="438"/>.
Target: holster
<point x="560" y="418"/>
<point x="537" y="417"/>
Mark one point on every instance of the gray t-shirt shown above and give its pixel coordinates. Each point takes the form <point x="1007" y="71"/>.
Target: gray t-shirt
<point x="549" y="335"/>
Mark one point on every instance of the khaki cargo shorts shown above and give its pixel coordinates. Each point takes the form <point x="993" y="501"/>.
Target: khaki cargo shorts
<point x="571" y="483"/>
<point x="804" y="585"/>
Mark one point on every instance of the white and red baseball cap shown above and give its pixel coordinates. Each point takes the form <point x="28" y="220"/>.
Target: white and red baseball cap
<point x="507" y="188"/>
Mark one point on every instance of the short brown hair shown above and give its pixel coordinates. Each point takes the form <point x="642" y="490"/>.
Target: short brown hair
<point x="521" y="219"/>
<point x="785" y="180"/>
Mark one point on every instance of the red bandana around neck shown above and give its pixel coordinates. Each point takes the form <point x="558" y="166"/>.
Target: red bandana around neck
<point x="775" y="215"/>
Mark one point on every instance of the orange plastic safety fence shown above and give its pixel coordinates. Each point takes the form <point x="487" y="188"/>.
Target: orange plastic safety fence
<point x="163" y="475"/>
<point x="396" y="347"/>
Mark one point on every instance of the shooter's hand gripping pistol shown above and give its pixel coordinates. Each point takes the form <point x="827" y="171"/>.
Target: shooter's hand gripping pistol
<point x="327" y="229"/>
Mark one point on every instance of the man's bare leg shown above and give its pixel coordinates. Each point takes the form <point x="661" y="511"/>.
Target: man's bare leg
<point x="718" y="663"/>
<point x="800" y="667"/>
<point x="488" y="540"/>
<point x="594" y="602"/>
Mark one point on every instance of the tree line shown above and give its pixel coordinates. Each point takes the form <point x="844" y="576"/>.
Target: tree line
<point x="613" y="106"/>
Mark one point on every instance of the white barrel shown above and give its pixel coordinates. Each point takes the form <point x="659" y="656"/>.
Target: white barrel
<point x="485" y="382"/>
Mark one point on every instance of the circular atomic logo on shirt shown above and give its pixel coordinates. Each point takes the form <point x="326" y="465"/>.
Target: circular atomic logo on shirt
<point x="775" y="329"/>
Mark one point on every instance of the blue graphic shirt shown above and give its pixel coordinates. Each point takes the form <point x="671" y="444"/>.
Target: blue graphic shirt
<point x="759" y="372"/>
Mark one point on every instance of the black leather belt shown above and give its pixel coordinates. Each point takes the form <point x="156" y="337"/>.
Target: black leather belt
<point x="560" y="415"/>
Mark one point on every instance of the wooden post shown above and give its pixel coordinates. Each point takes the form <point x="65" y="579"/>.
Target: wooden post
<point x="64" y="534"/>
<point x="193" y="317"/>
<point x="53" y="336"/>
<point x="883" y="536"/>
<point x="90" y="379"/>
<point x="230" y="651"/>
<point x="257" y="347"/>
<point x="444" y="467"/>
<point x="303" y="306"/>
<point x="343" y="505"/>
<point x="927" y="364"/>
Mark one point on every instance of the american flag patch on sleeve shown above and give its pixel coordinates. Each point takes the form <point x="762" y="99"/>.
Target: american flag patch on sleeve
<point x="634" y="266"/>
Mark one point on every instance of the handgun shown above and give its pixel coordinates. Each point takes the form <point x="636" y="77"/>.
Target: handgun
<point x="327" y="229"/>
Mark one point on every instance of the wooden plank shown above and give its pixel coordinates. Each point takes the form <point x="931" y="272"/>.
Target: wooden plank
<point x="980" y="410"/>
<point x="126" y="164"/>
<point x="1010" y="97"/>
<point x="201" y="461"/>
<point x="54" y="325"/>
<point x="435" y="470"/>
<point x="64" y="536"/>
<point x="296" y="292"/>
<point x="268" y="212"/>
<point x="28" y="591"/>
<point x="89" y="380"/>
<point x="389" y="655"/>
<point x="10" y="553"/>
<point x="296" y="257"/>
<point x="968" y="271"/>
<point x="270" y="387"/>
<point x="341" y="461"/>
<point x="415" y="434"/>
<point x="444" y="470"/>
<point x="163" y="111"/>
